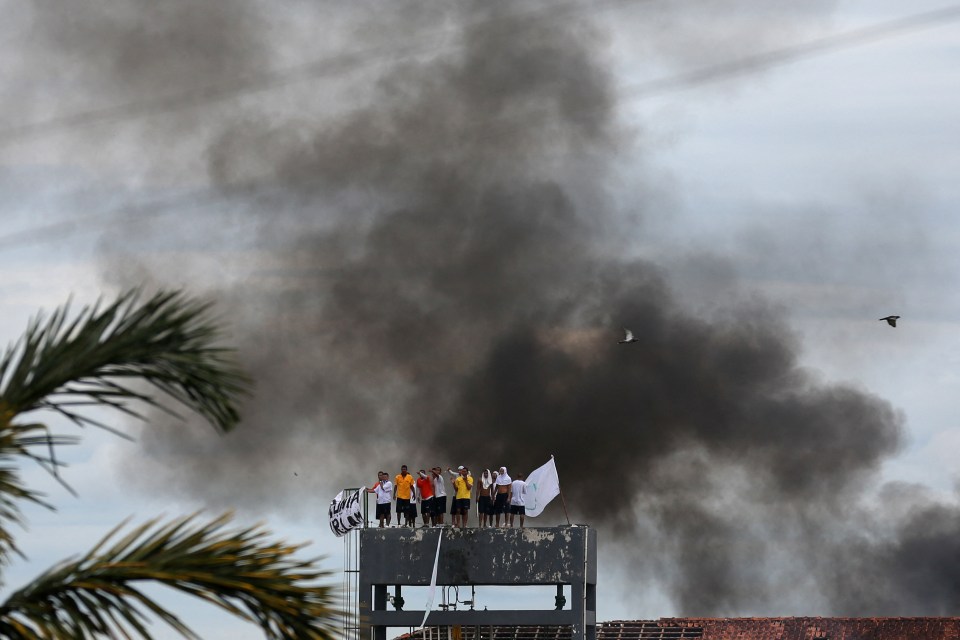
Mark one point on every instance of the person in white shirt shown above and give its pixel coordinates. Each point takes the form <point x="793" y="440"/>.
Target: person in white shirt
<point x="384" y="490"/>
<point x="501" y="499"/>
<point x="411" y="513"/>
<point x="439" y="496"/>
<point x="518" y="490"/>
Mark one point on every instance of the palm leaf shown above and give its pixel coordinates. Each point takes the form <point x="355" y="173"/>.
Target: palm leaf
<point x="100" y="359"/>
<point x="241" y="571"/>
<point x="21" y="440"/>
<point x="168" y="341"/>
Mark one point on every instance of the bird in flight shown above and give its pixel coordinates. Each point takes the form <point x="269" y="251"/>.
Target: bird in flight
<point x="891" y="320"/>
<point x="628" y="337"/>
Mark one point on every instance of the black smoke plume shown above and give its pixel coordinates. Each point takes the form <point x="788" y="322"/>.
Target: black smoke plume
<point x="432" y="263"/>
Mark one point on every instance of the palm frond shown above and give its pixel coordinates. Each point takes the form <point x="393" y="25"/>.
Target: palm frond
<point x="168" y="341"/>
<point x="22" y="440"/>
<point x="241" y="571"/>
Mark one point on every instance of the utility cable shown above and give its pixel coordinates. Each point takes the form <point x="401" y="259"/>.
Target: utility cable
<point x="668" y="84"/>
<point x="344" y="63"/>
<point x="820" y="46"/>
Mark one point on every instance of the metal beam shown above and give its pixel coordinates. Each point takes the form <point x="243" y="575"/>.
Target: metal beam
<point x="482" y="618"/>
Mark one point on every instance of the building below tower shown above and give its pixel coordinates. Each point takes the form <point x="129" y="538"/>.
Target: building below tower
<point x="800" y="628"/>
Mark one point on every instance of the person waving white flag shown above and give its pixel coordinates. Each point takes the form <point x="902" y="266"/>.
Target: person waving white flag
<point x="543" y="485"/>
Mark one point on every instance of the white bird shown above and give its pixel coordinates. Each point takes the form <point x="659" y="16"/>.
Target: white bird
<point x="628" y="337"/>
<point x="891" y="320"/>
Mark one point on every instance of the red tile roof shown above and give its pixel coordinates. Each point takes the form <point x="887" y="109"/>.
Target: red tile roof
<point x="730" y="629"/>
<point x="818" y="628"/>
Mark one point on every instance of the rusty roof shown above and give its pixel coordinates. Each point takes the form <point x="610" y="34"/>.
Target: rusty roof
<point x="799" y="628"/>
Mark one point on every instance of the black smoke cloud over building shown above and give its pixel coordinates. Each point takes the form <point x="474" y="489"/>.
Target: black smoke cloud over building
<point x="436" y="269"/>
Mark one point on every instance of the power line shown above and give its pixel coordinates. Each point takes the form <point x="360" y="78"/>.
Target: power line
<point x="256" y="83"/>
<point x="681" y="81"/>
<point x="176" y="203"/>
<point x="356" y="60"/>
<point x="827" y="44"/>
<point x="214" y="93"/>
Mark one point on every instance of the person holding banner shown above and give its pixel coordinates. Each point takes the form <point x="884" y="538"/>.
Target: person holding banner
<point x="384" y="490"/>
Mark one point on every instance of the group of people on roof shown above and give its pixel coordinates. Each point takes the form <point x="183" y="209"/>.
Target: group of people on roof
<point x="498" y="497"/>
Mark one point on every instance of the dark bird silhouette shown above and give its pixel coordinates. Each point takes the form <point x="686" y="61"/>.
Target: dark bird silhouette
<point x="628" y="337"/>
<point x="891" y="320"/>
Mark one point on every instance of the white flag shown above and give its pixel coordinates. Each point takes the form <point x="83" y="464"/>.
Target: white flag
<point x="433" y="584"/>
<point x="543" y="485"/>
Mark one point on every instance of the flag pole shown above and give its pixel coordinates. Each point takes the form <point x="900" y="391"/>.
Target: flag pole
<point x="563" y="500"/>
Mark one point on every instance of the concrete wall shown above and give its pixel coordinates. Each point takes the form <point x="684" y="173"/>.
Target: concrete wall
<point x="530" y="556"/>
<point x="397" y="557"/>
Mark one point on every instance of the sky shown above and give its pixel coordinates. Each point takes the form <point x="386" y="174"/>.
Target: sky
<point x="750" y="227"/>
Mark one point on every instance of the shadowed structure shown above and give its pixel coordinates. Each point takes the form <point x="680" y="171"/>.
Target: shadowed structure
<point x="808" y="628"/>
<point x="469" y="557"/>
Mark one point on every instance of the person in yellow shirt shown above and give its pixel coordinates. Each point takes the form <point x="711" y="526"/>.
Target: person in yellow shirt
<point x="463" y="485"/>
<point x="403" y="491"/>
